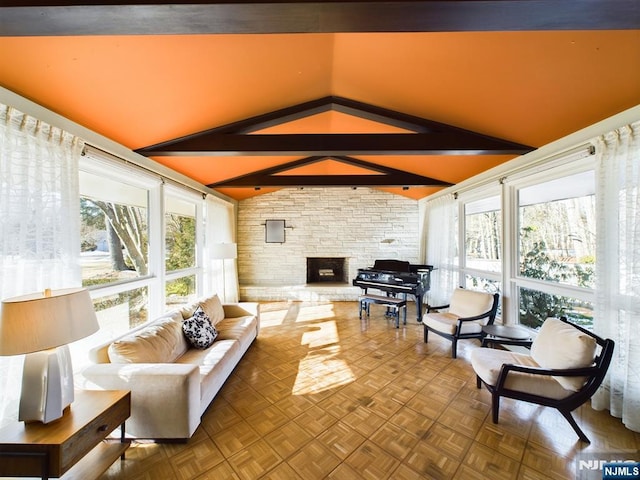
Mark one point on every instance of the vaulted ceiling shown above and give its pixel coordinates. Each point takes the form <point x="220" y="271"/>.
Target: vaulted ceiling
<point x="381" y="96"/>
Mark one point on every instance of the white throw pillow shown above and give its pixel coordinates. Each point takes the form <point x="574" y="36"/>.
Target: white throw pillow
<point x="560" y="345"/>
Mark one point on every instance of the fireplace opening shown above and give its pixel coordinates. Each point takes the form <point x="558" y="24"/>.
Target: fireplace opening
<point x="326" y="269"/>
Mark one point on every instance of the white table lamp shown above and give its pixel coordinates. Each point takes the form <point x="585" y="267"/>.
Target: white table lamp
<point x="41" y="325"/>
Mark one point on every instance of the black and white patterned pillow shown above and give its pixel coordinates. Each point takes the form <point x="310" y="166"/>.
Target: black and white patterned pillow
<point x="198" y="329"/>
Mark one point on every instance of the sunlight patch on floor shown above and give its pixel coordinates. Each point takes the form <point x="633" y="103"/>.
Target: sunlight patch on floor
<point x="323" y="333"/>
<point x="272" y="319"/>
<point x="321" y="369"/>
<point x="315" y="312"/>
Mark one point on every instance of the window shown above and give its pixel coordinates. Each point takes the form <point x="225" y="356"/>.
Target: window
<point x="138" y="253"/>
<point x="180" y="234"/>
<point x="117" y="205"/>
<point x="483" y="245"/>
<point x="536" y="305"/>
<point x="114" y="230"/>
<point x="180" y="237"/>
<point x="531" y="237"/>
<point x="180" y="291"/>
<point x="557" y="230"/>
<point x="556" y="249"/>
<point x="483" y="231"/>
<point x="121" y="311"/>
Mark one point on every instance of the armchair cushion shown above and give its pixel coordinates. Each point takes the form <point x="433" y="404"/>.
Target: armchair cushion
<point x="559" y="345"/>
<point x="468" y="303"/>
<point x="487" y="363"/>
<point x="447" y="323"/>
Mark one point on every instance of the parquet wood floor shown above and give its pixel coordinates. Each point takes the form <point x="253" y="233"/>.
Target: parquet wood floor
<point x="322" y="394"/>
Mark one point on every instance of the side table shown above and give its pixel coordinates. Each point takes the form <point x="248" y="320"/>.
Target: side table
<point x="505" y="335"/>
<point x="74" y="445"/>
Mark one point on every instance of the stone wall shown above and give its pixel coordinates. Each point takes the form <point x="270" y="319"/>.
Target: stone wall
<point x="361" y="225"/>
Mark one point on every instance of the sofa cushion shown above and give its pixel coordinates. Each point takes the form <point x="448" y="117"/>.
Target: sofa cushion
<point x="212" y="306"/>
<point x="198" y="330"/>
<point x="560" y="345"/>
<point x="215" y="365"/>
<point x="161" y="341"/>
<point x="244" y="329"/>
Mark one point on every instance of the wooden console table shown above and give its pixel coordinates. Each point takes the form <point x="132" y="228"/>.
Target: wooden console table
<point x="73" y="447"/>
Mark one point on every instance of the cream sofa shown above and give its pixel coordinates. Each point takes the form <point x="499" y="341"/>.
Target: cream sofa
<point x="171" y="382"/>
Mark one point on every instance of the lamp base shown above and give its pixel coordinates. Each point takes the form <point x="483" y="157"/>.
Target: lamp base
<point x="47" y="385"/>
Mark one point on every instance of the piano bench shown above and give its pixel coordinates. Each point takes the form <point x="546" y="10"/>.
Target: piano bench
<point x="393" y="304"/>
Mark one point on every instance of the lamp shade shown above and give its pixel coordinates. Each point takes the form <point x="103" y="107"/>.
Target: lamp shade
<point x="222" y="251"/>
<point x="40" y="321"/>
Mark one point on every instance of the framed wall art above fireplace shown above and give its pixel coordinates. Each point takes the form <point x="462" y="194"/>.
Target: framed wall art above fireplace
<point x="274" y="231"/>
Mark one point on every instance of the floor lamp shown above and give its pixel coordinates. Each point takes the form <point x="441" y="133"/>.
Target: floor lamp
<point x="224" y="251"/>
<point x="41" y="326"/>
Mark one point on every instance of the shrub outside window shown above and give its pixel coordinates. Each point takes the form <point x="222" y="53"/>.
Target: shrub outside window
<point x="180" y="234"/>
<point x="180" y="291"/>
<point x="556" y="249"/>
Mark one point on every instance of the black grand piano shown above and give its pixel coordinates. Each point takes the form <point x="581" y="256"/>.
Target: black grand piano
<point x="397" y="277"/>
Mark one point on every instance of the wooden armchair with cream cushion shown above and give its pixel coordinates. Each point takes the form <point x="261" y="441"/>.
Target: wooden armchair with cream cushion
<point x="564" y="369"/>
<point x="467" y="312"/>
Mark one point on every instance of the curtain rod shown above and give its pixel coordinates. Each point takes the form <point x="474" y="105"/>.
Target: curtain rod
<point x="204" y="191"/>
<point x="502" y="172"/>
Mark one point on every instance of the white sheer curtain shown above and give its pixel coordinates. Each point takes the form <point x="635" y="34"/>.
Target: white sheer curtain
<point x="441" y="227"/>
<point x="617" y="309"/>
<point x="39" y="220"/>
<point x="220" y="228"/>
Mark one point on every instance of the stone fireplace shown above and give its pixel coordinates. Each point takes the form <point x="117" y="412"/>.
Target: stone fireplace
<point x="327" y="270"/>
<point x="353" y="225"/>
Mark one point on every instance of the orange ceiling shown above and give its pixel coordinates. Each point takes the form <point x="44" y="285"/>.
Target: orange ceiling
<point x="526" y="87"/>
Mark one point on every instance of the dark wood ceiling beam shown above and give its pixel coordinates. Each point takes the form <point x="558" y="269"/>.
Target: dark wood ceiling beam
<point x="330" y="181"/>
<point x="275" y="118"/>
<point x="384" y="115"/>
<point x="445" y="143"/>
<point x="144" y="17"/>
<point x="386" y="177"/>
<point x="314" y="107"/>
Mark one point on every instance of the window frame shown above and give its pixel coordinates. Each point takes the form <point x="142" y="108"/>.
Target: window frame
<point x="98" y="163"/>
<point x="513" y="279"/>
<point x="473" y="196"/>
<point x="197" y="269"/>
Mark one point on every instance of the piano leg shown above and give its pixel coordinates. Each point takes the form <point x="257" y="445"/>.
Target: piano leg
<point x="419" y="308"/>
<point x="404" y="319"/>
<point x="364" y="307"/>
